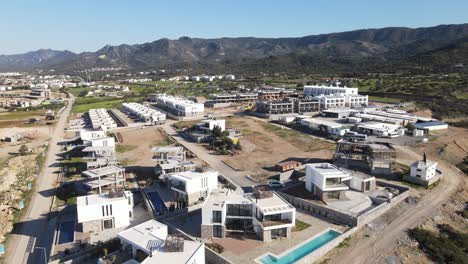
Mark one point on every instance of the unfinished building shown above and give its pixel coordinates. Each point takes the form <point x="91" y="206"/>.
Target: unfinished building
<point x="376" y="157"/>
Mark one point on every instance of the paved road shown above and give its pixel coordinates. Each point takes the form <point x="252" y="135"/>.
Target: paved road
<point x="238" y="177"/>
<point x="35" y="225"/>
<point x="374" y="248"/>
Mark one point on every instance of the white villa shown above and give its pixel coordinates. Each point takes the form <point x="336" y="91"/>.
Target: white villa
<point x="262" y="213"/>
<point x="98" y="212"/>
<point x="326" y="181"/>
<point x="423" y="172"/>
<point x="151" y="241"/>
<point x="193" y="185"/>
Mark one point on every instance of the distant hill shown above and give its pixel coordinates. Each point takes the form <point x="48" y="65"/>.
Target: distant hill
<point x="439" y="46"/>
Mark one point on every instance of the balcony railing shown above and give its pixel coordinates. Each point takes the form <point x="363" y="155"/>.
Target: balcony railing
<point x="268" y="223"/>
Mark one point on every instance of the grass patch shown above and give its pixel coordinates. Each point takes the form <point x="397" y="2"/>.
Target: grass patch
<point x="185" y="124"/>
<point x="383" y="99"/>
<point x="19" y="115"/>
<point x="107" y="104"/>
<point x="298" y="139"/>
<point x="345" y="243"/>
<point x="300" y="225"/>
<point x="124" y="148"/>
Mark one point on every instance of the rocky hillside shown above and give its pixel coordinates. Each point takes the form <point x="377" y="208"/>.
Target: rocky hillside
<point x="337" y="51"/>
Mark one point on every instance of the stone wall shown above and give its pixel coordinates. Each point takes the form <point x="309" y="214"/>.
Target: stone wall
<point x="206" y="231"/>
<point x="91" y="226"/>
<point x="321" y="211"/>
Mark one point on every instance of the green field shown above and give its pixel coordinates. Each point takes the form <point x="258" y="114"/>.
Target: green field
<point x="18" y="115"/>
<point x="83" y="105"/>
<point x="384" y="99"/>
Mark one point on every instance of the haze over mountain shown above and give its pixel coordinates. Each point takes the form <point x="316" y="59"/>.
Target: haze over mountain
<point x="419" y="47"/>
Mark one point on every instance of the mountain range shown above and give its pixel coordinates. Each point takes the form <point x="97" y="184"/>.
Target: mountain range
<point x="442" y="46"/>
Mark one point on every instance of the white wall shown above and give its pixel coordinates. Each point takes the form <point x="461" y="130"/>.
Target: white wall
<point x="120" y="210"/>
<point x="91" y="134"/>
<point x="424" y="174"/>
<point x="198" y="257"/>
<point x="101" y="142"/>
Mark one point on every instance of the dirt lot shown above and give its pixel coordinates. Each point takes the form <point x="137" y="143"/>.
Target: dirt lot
<point x="135" y="145"/>
<point x="264" y="145"/>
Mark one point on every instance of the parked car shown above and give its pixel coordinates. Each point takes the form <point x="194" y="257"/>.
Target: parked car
<point x="275" y="184"/>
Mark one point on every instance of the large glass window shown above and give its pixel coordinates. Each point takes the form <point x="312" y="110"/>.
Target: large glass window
<point x="107" y="224"/>
<point x="239" y="209"/>
<point x="216" y="216"/>
<point x="217" y="231"/>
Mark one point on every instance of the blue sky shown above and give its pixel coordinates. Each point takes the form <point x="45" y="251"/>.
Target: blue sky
<point x="87" y="25"/>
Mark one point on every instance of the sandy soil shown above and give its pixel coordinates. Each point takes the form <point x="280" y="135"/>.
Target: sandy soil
<point x="140" y="142"/>
<point x="262" y="149"/>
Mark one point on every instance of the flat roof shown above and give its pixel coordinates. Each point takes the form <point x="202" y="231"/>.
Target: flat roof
<point x="323" y="122"/>
<point x="429" y="124"/>
<point x="101" y="198"/>
<point x="100" y="148"/>
<point x="103" y="171"/>
<point x="167" y="149"/>
<point x="328" y="169"/>
<point x="190" y="175"/>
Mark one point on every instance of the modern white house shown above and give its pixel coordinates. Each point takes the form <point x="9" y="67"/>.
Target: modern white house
<point x="192" y="185"/>
<point x="151" y="242"/>
<point x="212" y="123"/>
<point x="144" y="113"/>
<point x="262" y="213"/>
<point x="100" y="142"/>
<point x="98" y="212"/>
<point x="326" y="181"/>
<point x="325" y="126"/>
<point x="423" y="172"/>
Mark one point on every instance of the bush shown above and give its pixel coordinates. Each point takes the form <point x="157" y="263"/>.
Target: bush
<point x="442" y="248"/>
<point x="215" y="247"/>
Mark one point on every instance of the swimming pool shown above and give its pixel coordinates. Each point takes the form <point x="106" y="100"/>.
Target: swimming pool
<point x="157" y="203"/>
<point x="66" y="232"/>
<point x="302" y="250"/>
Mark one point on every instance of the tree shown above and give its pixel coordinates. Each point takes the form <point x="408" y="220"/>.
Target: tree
<point x="217" y="132"/>
<point x="23" y="150"/>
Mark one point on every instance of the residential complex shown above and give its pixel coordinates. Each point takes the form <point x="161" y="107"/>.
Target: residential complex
<point x="100" y="119"/>
<point x="336" y="97"/>
<point x="144" y="113"/>
<point x="193" y="186"/>
<point x="177" y="106"/>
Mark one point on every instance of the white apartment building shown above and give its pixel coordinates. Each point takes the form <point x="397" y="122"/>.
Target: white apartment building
<point x="326" y="181"/>
<point x="100" y="119"/>
<point x="193" y="185"/>
<point x="100" y="142"/>
<point x="144" y="113"/>
<point x="178" y="106"/>
<point x="336" y="97"/>
<point x="263" y="213"/>
<point x="98" y="212"/>
<point x="152" y="242"/>
<point x="329" y="127"/>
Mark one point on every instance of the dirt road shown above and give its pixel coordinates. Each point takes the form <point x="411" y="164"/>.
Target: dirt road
<point x="374" y="248"/>
<point x="36" y="230"/>
<point x="214" y="161"/>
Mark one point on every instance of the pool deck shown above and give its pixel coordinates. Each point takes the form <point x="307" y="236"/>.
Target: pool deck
<point x="247" y="251"/>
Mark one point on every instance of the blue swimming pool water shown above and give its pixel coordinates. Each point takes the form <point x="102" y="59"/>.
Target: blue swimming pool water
<point x="157" y="202"/>
<point x="303" y="250"/>
<point x="66" y="232"/>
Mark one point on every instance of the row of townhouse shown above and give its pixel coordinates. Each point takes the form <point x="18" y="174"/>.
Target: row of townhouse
<point x="177" y="106"/>
<point x="336" y="97"/>
<point x="144" y="113"/>
<point x="100" y="119"/>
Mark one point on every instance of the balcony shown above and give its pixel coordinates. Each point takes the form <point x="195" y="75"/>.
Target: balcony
<point x="336" y="186"/>
<point x="180" y="187"/>
<point x="269" y="223"/>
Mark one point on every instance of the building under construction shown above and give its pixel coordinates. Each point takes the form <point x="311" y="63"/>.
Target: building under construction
<point x="376" y="157"/>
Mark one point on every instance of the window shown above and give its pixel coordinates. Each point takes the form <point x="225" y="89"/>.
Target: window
<point x="239" y="209"/>
<point x="130" y="214"/>
<point x="111" y="209"/>
<point x="107" y="224"/>
<point x="103" y="213"/>
<point x="216" y="216"/>
<point x="217" y="231"/>
<point x="418" y="169"/>
<point x="107" y="209"/>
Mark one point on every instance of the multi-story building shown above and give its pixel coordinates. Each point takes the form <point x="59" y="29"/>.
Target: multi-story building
<point x="98" y="212"/>
<point x="100" y="178"/>
<point x="335" y="97"/>
<point x="326" y="181"/>
<point x="306" y="105"/>
<point x="170" y="160"/>
<point x="177" y="106"/>
<point x="100" y="119"/>
<point x="151" y="243"/>
<point x="274" y="94"/>
<point x="233" y="98"/>
<point x="193" y="186"/>
<point x="263" y="213"/>
<point x="274" y="107"/>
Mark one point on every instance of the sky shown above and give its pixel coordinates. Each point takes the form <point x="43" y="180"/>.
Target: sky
<point x="88" y="25"/>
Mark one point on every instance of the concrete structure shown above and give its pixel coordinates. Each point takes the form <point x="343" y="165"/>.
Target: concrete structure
<point x="100" y="142"/>
<point x="337" y="113"/>
<point x="325" y="126"/>
<point x="428" y="127"/>
<point x="232" y="98"/>
<point x="144" y="113"/>
<point x="209" y="124"/>
<point x="263" y="213"/>
<point x="86" y="134"/>
<point x="105" y="176"/>
<point x="326" y="181"/>
<point x="100" y="119"/>
<point x="379" y="129"/>
<point x="275" y="107"/>
<point x="288" y="165"/>
<point x="170" y="160"/>
<point x="151" y="242"/>
<point x="274" y="94"/>
<point x="375" y="157"/>
<point x="423" y="172"/>
<point x="193" y="186"/>
<point x="178" y="106"/>
<point x="98" y="212"/>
